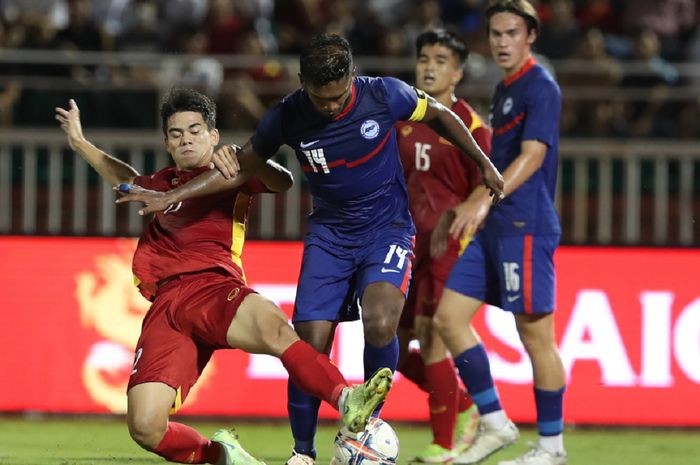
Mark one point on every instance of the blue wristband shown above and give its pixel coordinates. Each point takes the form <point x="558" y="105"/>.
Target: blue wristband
<point x="124" y="187"/>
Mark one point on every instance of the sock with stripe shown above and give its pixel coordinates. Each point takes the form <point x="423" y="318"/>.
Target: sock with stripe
<point x="475" y="371"/>
<point x="550" y="419"/>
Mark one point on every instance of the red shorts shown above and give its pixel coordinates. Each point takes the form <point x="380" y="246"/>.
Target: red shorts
<point x="186" y="323"/>
<point x="427" y="283"/>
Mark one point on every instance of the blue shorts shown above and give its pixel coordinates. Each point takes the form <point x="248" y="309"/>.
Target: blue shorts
<point x="515" y="273"/>
<point x="333" y="278"/>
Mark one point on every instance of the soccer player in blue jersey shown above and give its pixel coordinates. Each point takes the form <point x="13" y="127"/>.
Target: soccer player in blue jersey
<point x="360" y="239"/>
<point x="509" y="263"/>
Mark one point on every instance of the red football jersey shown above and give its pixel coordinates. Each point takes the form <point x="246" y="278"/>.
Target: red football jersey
<point x="194" y="235"/>
<point x="438" y="176"/>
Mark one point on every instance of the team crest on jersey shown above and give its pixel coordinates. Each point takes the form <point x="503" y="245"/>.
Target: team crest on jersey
<point x="406" y="131"/>
<point x="507" y="105"/>
<point x="369" y="129"/>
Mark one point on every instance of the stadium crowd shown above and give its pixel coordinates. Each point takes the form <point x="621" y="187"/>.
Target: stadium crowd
<point x="596" y="47"/>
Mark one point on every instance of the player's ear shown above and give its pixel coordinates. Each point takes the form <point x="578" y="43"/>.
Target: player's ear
<point x="531" y="36"/>
<point x="215" y="136"/>
<point x="457" y="76"/>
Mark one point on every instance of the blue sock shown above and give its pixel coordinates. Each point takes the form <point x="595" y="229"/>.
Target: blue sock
<point x="475" y="371"/>
<point x="550" y="415"/>
<point x="375" y="358"/>
<point x="379" y="357"/>
<point x="303" y="417"/>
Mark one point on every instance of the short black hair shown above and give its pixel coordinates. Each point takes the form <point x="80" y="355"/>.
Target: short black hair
<point x="180" y="99"/>
<point x="522" y="8"/>
<point x="444" y="38"/>
<point x="326" y="58"/>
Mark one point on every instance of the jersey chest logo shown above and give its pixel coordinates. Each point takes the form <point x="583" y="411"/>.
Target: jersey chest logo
<point x="507" y="106"/>
<point x="369" y="129"/>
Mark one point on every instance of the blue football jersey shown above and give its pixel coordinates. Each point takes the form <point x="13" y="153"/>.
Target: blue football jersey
<point x="526" y="106"/>
<point x="351" y="161"/>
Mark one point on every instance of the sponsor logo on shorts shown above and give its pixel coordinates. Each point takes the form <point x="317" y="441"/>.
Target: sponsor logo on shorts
<point x="512" y="298"/>
<point x="233" y="294"/>
<point x="304" y="145"/>
<point x="390" y="270"/>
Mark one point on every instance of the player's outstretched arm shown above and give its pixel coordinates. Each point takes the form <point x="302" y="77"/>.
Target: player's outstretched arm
<point x="446" y="123"/>
<point x="231" y="159"/>
<point x="112" y="170"/>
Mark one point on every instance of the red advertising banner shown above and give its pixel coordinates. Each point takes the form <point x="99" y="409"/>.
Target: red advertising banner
<point x="628" y="327"/>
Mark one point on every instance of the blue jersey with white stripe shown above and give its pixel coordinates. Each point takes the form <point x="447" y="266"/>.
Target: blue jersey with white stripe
<point x="351" y="161"/>
<point x="526" y="106"/>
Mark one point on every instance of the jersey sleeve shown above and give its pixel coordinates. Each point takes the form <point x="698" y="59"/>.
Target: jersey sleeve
<point x="255" y="186"/>
<point x="145" y="181"/>
<point x="406" y="103"/>
<point x="268" y="135"/>
<point x="543" y="107"/>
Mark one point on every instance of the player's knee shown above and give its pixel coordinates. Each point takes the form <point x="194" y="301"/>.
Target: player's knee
<point x="442" y="323"/>
<point x="147" y="431"/>
<point x="380" y="330"/>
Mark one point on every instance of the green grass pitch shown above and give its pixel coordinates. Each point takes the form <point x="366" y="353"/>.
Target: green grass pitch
<point x="105" y="441"/>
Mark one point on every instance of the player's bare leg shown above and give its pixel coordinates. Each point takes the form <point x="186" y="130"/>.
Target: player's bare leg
<point x="147" y="417"/>
<point x="453" y="320"/>
<point x="382" y="304"/>
<point x="259" y="326"/>
<point x="537" y="335"/>
<point x="147" y="413"/>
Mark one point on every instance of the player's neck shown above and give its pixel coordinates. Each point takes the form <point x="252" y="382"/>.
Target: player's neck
<point x="508" y="73"/>
<point x="446" y="98"/>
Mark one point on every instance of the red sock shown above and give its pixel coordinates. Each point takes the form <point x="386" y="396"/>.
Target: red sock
<point x="413" y="368"/>
<point x="442" y="381"/>
<point x="465" y="400"/>
<point x="185" y="445"/>
<point x="313" y="372"/>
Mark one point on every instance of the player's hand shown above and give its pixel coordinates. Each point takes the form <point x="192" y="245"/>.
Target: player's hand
<point x="469" y="216"/>
<point x="226" y="161"/>
<point x="154" y="201"/>
<point x="440" y="234"/>
<point x="493" y="180"/>
<point x="70" y="122"/>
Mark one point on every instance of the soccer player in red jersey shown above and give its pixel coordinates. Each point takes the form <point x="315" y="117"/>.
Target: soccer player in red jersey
<point x="438" y="177"/>
<point x="188" y="263"/>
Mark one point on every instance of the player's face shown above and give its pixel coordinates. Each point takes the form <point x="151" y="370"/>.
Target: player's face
<point x="331" y="99"/>
<point x="438" y="70"/>
<point x="510" y="42"/>
<point x="189" y="140"/>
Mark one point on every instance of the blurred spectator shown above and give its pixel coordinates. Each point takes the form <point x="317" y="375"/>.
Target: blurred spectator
<point x="466" y="15"/>
<point x="114" y="17"/>
<point x="424" y="15"/>
<point x="174" y="15"/>
<point x="225" y="27"/>
<point x="657" y="76"/>
<point x="590" y="113"/>
<point x="81" y="32"/>
<point x="142" y="33"/>
<point x="9" y="96"/>
<point x="671" y="20"/>
<point x="559" y="35"/>
<point x="241" y="104"/>
<point x="191" y="67"/>
<point x="297" y="20"/>
<point x="599" y="14"/>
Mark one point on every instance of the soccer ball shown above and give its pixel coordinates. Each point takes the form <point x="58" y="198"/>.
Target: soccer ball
<point x="376" y="445"/>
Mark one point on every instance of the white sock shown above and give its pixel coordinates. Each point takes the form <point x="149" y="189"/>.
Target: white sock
<point x="343" y="397"/>
<point x="552" y="444"/>
<point x="494" y="420"/>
